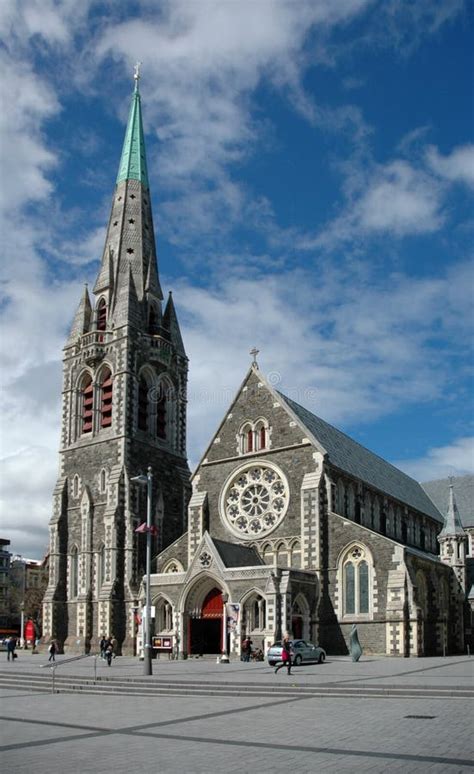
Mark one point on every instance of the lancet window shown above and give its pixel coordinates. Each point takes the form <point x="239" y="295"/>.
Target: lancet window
<point x="106" y="396"/>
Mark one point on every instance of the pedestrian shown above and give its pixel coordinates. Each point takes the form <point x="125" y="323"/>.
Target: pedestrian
<point x="285" y="655"/>
<point x="102" y="646"/>
<point x="246" y="649"/>
<point x="11" y="645"/>
<point x="52" y="651"/>
<point x="109" y="654"/>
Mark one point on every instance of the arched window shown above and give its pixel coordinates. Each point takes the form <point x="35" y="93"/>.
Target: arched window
<point x="356" y="582"/>
<point x="261" y="435"/>
<point x="267" y="554"/>
<point x="161" y="413"/>
<point x="75" y="486"/>
<point x="87" y="404"/>
<point x="102" y="315"/>
<point x="106" y="395"/>
<point x="165" y="411"/>
<point x="404" y="531"/>
<point x="254" y="613"/>
<point x="152" y="319"/>
<point x="143" y="404"/>
<point x="74" y="576"/>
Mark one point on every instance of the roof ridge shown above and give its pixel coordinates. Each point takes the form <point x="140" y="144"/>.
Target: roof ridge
<point x="352" y="440"/>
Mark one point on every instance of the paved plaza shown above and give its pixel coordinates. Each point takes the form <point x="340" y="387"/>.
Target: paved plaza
<point x="422" y="722"/>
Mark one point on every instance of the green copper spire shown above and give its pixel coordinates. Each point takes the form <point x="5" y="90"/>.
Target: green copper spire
<point x="133" y="161"/>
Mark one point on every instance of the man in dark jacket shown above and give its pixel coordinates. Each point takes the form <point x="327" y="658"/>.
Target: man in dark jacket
<point x="11" y="645"/>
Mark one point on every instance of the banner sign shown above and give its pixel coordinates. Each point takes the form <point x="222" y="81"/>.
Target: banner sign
<point x="233" y="612"/>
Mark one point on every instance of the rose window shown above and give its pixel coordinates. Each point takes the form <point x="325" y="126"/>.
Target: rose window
<point x="255" y="501"/>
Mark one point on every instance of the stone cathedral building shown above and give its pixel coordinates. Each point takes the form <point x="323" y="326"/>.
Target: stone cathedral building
<point x="123" y="409"/>
<point x="290" y="526"/>
<point x="293" y="526"/>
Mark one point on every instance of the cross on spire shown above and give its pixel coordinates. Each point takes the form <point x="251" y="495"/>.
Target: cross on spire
<point x="254" y="352"/>
<point x="136" y="73"/>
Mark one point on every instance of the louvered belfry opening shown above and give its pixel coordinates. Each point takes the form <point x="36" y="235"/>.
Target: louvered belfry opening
<point x="161" y="414"/>
<point x="102" y="316"/>
<point x="87" y="405"/>
<point x="143" y="405"/>
<point x="106" y="399"/>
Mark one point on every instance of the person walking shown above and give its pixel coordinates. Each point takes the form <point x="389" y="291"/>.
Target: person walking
<point x="246" y="649"/>
<point x="109" y="653"/>
<point x="11" y="645"/>
<point x="52" y="651"/>
<point x="102" y="646"/>
<point x="285" y="655"/>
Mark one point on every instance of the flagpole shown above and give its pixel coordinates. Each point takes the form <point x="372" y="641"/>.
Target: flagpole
<point x="147" y="666"/>
<point x="148" y="480"/>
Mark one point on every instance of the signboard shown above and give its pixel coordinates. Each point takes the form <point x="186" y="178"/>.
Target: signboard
<point x="164" y="643"/>
<point x="152" y="611"/>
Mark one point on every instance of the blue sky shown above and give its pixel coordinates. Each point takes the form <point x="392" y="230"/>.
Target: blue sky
<point x="312" y="172"/>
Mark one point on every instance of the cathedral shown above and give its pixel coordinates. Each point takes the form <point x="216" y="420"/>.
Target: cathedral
<point x="287" y="524"/>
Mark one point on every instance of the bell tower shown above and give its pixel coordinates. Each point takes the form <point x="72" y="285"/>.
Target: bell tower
<point x="123" y="409"/>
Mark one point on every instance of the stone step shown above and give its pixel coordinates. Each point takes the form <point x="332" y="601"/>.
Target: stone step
<point x="156" y="687"/>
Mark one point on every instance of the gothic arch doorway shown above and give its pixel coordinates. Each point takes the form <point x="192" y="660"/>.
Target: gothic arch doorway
<point x="205" y="625"/>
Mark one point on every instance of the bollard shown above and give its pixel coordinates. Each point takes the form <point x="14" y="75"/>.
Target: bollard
<point x="95" y="669"/>
<point x="468" y="650"/>
<point x="54" y="674"/>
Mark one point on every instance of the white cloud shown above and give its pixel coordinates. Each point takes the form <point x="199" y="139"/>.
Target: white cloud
<point x="455" y="459"/>
<point x="400" y="200"/>
<point x="457" y="166"/>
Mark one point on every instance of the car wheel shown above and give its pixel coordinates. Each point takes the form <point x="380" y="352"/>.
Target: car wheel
<point x="321" y="658"/>
<point x="297" y="661"/>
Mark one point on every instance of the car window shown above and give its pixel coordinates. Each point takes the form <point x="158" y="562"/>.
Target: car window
<point x="276" y="645"/>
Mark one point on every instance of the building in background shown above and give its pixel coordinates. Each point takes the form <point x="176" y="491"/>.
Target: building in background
<point x="4" y="584"/>
<point x="123" y="409"/>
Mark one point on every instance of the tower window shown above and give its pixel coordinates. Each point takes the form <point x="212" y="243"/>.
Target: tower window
<point x="74" y="577"/>
<point x="143" y="405"/>
<point x="106" y="399"/>
<point x="102" y="315"/>
<point x="87" y="405"/>
<point x="103" y="480"/>
<point x="152" y="320"/>
<point x="161" y="415"/>
<point x="130" y="250"/>
<point x="131" y="220"/>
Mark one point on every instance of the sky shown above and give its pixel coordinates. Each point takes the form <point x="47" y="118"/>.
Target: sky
<point x="311" y="167"/>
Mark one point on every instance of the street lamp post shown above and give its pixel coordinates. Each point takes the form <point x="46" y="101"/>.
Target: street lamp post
<point x="225" y="655"/>
<point x="148" y="481"/>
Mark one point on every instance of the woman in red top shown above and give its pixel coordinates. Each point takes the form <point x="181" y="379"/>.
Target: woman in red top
<point x="285" y="655"/>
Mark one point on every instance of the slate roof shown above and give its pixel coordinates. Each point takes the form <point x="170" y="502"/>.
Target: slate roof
<point x="463" y="487"/>
<point x="234" y="555"/>
<point x="354" y="459"/>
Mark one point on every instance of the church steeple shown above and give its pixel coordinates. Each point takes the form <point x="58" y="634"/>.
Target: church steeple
<point x="133" y="161"/>
<point x="123" y="411"/>
<point x="130" y="250"/>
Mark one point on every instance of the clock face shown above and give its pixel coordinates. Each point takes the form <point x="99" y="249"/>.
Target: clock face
<point x="254" y="500"/>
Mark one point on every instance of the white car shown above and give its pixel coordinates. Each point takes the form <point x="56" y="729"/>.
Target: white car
<point x="301" y="651"/>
